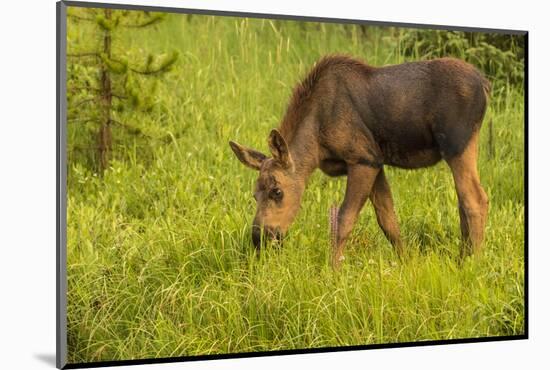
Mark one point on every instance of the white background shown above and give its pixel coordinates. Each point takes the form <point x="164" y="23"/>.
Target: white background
<point x="27" y="182"/>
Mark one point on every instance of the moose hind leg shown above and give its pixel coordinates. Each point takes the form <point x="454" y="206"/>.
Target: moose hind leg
<point x="472" y="200"/>
<point x="382" y="201"/>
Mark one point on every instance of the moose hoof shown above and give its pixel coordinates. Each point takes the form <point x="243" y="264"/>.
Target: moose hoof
<point x="337" y="262"/>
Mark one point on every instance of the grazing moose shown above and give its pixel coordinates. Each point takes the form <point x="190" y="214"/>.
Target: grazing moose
<point x="349" y="118"/>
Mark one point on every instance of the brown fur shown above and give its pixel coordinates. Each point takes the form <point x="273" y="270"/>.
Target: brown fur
<point x="348" y="118"/>
<point x="298" y="106"/>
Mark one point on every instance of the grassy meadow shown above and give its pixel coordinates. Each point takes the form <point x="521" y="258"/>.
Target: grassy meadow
<point x="160" y="260"/>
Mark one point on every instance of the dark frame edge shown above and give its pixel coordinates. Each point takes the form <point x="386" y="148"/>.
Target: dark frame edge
<point x="289" y="17"/>
<point x="526" y="183"/>
<point x="303" y="351"/>
<point x="61" y="185"/>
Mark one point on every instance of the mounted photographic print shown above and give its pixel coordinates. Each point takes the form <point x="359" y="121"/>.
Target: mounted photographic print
<point x="234" y="185"/>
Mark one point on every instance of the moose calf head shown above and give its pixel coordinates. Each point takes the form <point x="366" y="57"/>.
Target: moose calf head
<point x="278" y="189"/>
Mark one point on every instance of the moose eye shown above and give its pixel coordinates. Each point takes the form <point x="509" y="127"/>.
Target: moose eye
<point x="276" y="194"/>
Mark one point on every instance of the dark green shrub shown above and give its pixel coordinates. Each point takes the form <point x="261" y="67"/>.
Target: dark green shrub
<point x="499" y="56"/>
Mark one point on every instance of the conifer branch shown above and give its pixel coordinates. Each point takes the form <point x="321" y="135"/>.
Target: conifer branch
<point x="84" y="101"/>
<point x="82" y="120"/>
<point x="150" y="71"/>
<point x="148" y="22"/>
<point x="131" y="129"/>
<point x="164" y="65"/>
<point x="95" y="89"/>
<point x="85" y="54"/>
<point x="83" y="147"/>
<point x="80" y="18"/>
<point x="83" y="87"/>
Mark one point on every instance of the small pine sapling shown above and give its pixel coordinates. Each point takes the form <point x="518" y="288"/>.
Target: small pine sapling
<point x="103" y="80"/>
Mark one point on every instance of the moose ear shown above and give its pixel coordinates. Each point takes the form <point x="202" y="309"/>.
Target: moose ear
<point x="279" y="148"/>
<point x="249" y="157"/>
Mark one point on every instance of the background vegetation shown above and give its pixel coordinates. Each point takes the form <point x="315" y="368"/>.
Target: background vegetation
<point x="159" y="253"/>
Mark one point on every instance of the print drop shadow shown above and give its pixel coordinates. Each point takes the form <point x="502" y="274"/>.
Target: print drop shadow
<point x="46" y="358"/>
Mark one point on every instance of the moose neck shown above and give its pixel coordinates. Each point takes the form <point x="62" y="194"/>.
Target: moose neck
<point x="304" y="149"/>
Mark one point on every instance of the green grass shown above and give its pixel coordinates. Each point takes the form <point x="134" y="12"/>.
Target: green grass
<point x="159" y="253"/>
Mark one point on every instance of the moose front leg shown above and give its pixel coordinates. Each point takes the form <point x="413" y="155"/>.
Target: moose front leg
<point x="359" y="185"/>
